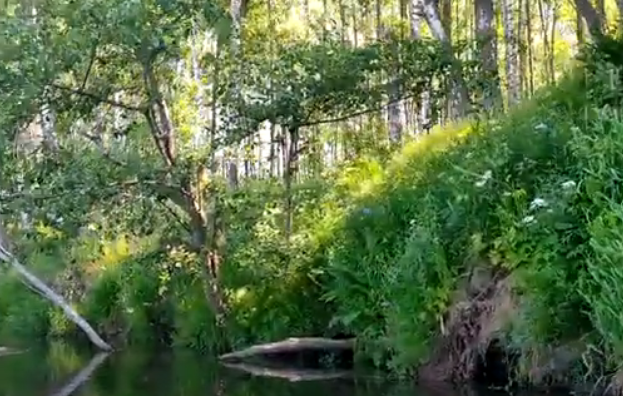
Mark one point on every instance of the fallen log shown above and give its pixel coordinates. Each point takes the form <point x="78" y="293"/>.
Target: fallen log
<point x="292" y="345"/>
<point x="45" y="291"/>
<point x="292" y="375"/>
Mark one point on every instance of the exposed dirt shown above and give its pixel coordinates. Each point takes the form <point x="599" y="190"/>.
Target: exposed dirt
<point x="469" y="347"/>
<point x="483" y="305"/>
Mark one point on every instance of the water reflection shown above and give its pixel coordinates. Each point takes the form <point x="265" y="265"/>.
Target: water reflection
<point x="61" y="371"/>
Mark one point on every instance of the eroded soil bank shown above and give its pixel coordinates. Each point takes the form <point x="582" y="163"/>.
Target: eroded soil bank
<point x="476" y="345"/>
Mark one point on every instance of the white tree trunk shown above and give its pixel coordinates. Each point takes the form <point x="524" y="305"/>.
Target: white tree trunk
<point x="395" y="115"/>
<point x="459" y="100"/>
<point x="416" y="17"/>
<point x="197" y="49"/>
<point x="48" y="128"/>
<point x="487" y="45"/>
<point x="511" y="45"/>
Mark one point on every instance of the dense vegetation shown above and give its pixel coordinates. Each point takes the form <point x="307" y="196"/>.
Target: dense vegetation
<point x="123" y="137"/>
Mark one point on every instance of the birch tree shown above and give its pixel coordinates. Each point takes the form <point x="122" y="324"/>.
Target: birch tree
<point x="415" y="21"/>
<point x="511" y="52"/>
<point x="459" y="97"/>
<point x="487" y="45"/>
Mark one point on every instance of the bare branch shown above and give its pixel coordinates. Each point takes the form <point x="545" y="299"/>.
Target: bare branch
<point x="90" y="67"/>
<point x="93" y="96"/>
<point x="355" y="114"/>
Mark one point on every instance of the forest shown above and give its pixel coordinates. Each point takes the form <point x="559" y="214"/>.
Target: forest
<point x="438" y="179"/>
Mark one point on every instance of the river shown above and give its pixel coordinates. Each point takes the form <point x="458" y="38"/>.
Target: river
<point x="61" y="371"/>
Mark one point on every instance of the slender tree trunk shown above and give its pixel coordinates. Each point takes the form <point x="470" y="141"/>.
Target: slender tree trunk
<point x="46" y="114"/>
<point x="343" y="31"/>
<point x="552" y="50"/>
<point x="445" y="8"/>
<point x="579" y="28"/>
<point x="601" y="9"/>
<point x="273" y="155"/>
<point x="590" y="14"/>
<point x="235" y="11"/>
<point x="290" y="150"/>
<point x="460" y="98"/>
<point x="416" y="17"/>
<point x="529" y="41"/>
<point x="487" y="46"/>
<point x="521" y="47"/>
<point x="394" y="113"/>
<point x="48" y="128"/>
<point x="510" y="38"/>
<point x="197" y="48"/>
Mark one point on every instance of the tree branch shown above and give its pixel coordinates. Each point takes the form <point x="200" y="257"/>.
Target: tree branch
<point x="90" y="67"/>
<point x="355" y="114"/>
<point x="98" y="98"/>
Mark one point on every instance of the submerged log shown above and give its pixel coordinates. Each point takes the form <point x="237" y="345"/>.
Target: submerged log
<point x="292" y="375"/>
<point x="292" y="345"/>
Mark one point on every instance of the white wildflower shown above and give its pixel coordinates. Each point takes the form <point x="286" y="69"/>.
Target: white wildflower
<point x="540" y="127"/>
<point x="538" y="203"/>
<point x="568" y="185"/>
<point x="484" y="179"/>
<point x="528" y="220"/>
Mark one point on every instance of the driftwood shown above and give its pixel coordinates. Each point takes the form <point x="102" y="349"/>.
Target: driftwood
<point x="292" y="345"/>
<point x="40" y="287"/>
<point x="292" y="375"/>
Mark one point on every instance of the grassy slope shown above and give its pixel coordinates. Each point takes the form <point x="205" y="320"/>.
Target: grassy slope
<point x="536" y="193"/>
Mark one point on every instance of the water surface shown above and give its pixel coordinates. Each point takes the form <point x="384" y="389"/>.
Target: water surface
<point x="61" y="371"/>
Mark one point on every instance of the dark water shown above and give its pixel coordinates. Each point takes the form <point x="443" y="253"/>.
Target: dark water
<point x="61" y="371"/>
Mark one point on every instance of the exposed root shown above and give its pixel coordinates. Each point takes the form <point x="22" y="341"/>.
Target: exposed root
<point x="615" y="387"/>
<point x="482" y="308"/>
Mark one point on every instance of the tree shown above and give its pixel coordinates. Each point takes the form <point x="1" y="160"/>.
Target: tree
<point x="487" y="46"/>
<point x="459" y="98"/>
<point x="511" y="42"/>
